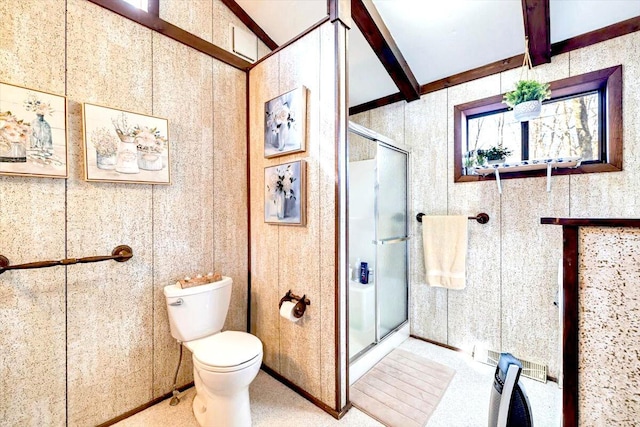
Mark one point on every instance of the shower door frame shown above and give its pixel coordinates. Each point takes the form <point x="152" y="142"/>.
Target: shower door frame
<point x="401" y="332"/>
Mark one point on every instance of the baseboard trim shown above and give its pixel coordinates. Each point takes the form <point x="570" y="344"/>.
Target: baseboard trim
<point x="320" y="404"/>
<point x="439" y="344"/>
<point x="143" y="407"/>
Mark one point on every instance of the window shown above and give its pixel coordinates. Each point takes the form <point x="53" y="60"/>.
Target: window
<point x="140" y="4"/>
<point x="584" y="118"/>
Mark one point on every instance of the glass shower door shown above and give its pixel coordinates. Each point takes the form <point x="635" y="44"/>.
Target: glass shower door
<point x="391" y="238"/>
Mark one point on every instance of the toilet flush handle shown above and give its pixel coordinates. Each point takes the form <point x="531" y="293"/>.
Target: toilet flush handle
<point x="179" y="301"/>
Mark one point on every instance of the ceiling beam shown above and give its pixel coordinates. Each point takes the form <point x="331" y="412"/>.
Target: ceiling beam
<point x="250" y="23"/>
<point x="578" y="42"/>
<point x="536" y="27"/>
<point x="367" y="18"/>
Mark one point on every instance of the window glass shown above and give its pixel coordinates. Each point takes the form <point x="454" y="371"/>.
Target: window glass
<point x="486" y="131"/>
<point x="567" y="127"/>
<point x="140" y="4"/>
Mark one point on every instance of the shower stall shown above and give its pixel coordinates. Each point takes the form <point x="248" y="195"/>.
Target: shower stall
<point x="378" y="199"/>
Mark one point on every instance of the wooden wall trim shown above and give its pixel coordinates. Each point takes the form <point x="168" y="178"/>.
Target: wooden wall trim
<point x="366" y="17"/>
<point x="439" y="344"/>
<point x="380" y="102"/>
<point x="292" y="41"/>
<point x="570" y="305"/>
<point x="570" y="359"/>
<point x="320" y="404"/>
<point x="612" y="31"/>
<point x="603" y="34"/>
<point x="476" y="73"/>
<point x="154" y="23"/>
<point x="592" y="222"/>
<point x="250" y="23"/>
<point x="537" y="28"/>
<point x="144" y="406"/>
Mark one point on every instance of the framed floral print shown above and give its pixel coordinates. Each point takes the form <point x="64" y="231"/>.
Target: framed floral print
<point x="285" y="123"/>
<point x="285" y="193"/>
<point x="121" y="146"/>
<point x="33" y="132"/>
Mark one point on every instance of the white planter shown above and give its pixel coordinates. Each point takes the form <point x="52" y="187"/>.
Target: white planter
<point x="527" y="110"/>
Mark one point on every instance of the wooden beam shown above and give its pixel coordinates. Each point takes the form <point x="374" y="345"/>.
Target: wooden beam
<point x="250" y="23"/>
<point x="367" y="18"/>
<point x="584" y="40"/>
<point x="178" y="34"/>
<point x="536" y="27"/>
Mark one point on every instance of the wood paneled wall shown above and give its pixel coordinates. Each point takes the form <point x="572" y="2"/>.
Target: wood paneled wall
<point x="84" y="344"/>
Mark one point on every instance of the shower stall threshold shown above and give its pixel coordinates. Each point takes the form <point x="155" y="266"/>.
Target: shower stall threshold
<point x="376" y="352"/>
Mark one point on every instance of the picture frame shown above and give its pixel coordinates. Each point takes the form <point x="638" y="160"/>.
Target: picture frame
<point x="123" y="146"/>
<point x="33" y="133"/>
<point x="285" y="197"/>
<point x="285" y="123"/>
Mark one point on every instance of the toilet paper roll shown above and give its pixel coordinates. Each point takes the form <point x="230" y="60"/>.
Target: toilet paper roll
<point x="286" y="311"/>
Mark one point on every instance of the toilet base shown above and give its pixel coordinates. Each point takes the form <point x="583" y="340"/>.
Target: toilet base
<point x="223" y="411"/>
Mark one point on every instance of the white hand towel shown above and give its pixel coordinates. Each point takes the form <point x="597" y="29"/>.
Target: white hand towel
<point x="445" y="250"/>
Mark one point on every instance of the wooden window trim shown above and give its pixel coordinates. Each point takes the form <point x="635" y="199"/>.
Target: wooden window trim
<point x="609" y="78"/>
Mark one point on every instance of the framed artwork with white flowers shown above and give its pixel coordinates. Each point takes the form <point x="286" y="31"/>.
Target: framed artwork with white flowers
<point x="33" y="132"/>
<point x="121" y="146"/>
<point x="285" y="194"/>
<point x="285" y="123"/>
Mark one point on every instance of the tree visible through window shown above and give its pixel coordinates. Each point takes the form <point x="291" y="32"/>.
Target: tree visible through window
<point x="566" y="127"/>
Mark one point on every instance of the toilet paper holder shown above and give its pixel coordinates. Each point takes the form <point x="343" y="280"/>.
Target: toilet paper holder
<point x="300" y="306"/>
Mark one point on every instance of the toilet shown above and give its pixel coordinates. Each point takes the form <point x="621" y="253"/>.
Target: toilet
<point x="224" y="363"/>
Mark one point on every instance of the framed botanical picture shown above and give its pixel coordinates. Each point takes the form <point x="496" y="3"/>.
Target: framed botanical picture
<point x="121" y="146"/>
<point x="33" y="132"/>
<point x="284" y="194"/>
<point x="285" y="123"/>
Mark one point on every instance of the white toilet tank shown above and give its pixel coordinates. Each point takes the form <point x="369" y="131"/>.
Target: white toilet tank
<point x="198" y="311"/>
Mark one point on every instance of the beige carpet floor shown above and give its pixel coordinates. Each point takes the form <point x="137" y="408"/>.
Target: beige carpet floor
<point x="402" y="390"/>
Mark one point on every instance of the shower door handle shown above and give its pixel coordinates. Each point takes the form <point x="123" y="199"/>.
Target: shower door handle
<point x="391" y="240"/>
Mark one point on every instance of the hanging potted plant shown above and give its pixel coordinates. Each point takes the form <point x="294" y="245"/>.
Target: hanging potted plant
<point x="526" y="99"/>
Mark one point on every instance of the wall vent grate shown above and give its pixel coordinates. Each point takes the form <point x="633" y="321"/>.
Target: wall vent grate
<point x="535" y="371"/>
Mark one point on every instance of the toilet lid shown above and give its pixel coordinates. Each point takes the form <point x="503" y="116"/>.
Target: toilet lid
<point x="226" y="349"/>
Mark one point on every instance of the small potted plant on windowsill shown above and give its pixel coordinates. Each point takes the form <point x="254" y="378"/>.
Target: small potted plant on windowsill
<point x="526" y="99"/>
<point x="495" y="155"/>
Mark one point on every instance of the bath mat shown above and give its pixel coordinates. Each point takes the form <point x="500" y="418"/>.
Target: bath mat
<point x="402" y="390"/>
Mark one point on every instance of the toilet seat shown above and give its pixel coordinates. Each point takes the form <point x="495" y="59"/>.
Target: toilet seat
<point x="226" y="351"/>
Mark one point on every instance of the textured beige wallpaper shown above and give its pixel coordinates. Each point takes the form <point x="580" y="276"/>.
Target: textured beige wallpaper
<point x="512" y="260"/>
<point x="208" y="19"/>
<point x="32" y="227"/>
<point x="100" y="332"/>
<point x="286" y="257"/>
<point x="609" y="325"/>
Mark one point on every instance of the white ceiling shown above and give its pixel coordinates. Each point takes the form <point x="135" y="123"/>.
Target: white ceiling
<point x="438" y="38"/>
